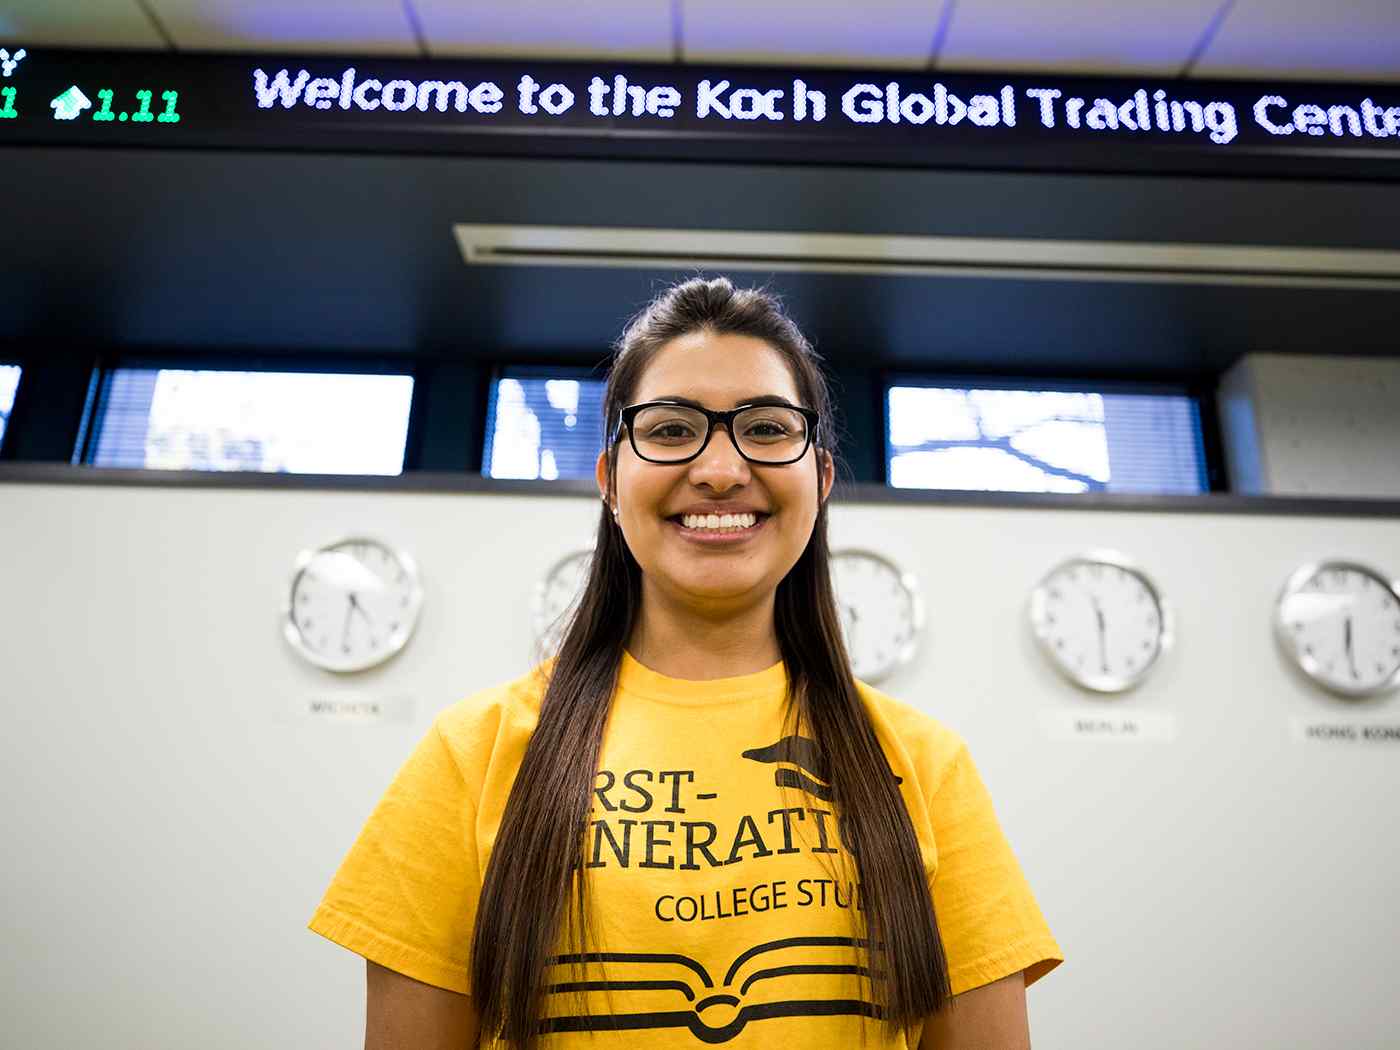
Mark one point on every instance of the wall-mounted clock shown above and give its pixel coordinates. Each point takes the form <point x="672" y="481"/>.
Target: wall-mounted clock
<point x="1101" y="621"/>
<point x="555" y="594"/>
<point x="882" y="613"/>
<point x="351" y="604"/>
<point x="1339" y="621"/>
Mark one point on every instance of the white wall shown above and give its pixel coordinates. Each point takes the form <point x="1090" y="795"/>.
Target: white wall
<point x="1312" y="425"/>
<point x="170" y="825"/>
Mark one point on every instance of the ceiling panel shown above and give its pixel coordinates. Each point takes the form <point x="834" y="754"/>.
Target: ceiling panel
<point x="1359" y="40"/>
<point x="636" y="29"/>
<point x="76" y="23"/>
<point x="314" y="26"/>
<point x="879" y="33"/>
<point x="1088" y="36"/>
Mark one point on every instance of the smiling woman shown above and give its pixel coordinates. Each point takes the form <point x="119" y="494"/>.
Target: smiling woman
<point x="692" y="825"/>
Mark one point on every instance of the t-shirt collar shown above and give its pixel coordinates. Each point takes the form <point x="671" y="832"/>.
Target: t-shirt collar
<point x="637" y="679"/>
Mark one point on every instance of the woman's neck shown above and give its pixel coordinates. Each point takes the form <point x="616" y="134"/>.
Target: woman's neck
<point x="681" y="641"/>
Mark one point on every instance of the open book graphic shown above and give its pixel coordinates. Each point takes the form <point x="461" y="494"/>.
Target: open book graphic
<point x="756" y="986"/>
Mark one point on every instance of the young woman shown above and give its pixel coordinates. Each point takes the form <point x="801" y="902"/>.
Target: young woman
<point x="692" y="825"/>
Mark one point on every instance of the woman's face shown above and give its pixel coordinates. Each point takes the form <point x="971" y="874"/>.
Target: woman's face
<point x="719" y="371"/>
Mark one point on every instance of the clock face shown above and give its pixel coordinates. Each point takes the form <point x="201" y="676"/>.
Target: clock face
<point x="1101" y="621"/>
<point x="556" y="593"/>
<point x="1340" y="622"/>
<point x="881" y="612"/>
<point x="353" y="604"/>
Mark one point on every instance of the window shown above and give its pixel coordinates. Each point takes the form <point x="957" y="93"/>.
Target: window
<point x="9" y="383"/>
<point x="994" y="436"/>
<point x="543" y="424"/>
<point x="279" y="422"/>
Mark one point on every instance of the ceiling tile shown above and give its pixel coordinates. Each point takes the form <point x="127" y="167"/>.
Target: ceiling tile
<point x="77" y="23"/>
<point x="1358" y="40"/>
<point x="314" y="26"/>
<point x="1087" y="36"/>
<point x="876" y="34"/>
<point x="637" y="29"/>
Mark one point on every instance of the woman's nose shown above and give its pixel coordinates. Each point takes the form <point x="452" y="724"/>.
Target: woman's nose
<point x="720" y="463"/>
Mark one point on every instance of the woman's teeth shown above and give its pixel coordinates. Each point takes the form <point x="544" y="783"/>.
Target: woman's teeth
<point x="718" y="521"/>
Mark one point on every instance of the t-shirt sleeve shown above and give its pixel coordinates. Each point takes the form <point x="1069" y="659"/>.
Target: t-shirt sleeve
<point x="987" y="916"/>
<point x="405" y="895"/>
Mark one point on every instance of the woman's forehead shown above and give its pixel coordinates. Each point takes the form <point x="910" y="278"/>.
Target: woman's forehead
<point x="717" y="370"/>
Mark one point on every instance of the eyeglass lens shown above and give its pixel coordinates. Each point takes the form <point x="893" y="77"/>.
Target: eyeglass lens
<point x="766" y="433"/>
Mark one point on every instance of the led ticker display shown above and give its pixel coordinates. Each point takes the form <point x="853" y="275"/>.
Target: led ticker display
<point x="735" y="113"/>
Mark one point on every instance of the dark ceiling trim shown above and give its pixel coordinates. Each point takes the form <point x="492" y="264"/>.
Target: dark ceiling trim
<point x="940" y="33"/>
<point x="677" y="31"/>
<point x="155" y="21"/>
<point x="416" y="24"/>
<point x="1207" y="38"/>
<point x="844" y="492"/>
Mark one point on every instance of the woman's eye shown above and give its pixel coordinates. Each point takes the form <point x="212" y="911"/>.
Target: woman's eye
<point x="669" y="430"/>
<point x="766" y="428"/>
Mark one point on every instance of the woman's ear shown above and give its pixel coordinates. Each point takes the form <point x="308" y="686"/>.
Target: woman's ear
<point x="828" y="472"/>
<point x="601" y="472"/>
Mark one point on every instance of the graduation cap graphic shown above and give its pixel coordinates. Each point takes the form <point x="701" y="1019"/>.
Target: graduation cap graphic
<point x="811" y="773"/>
<point x="750" y="991"/>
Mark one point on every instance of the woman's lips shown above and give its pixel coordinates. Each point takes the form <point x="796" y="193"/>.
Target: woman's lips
<point x="709" y="537"/>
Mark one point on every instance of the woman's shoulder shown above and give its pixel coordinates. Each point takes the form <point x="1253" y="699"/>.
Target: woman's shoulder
<point x="928" y="744"/>
<point x="501" y="713"/>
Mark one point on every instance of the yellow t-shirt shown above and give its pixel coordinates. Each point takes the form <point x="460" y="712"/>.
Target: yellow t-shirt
<point x="710" y="861"/>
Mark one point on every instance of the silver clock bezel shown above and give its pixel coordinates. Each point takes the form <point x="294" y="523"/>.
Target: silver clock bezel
<point x="397" y="639"/>
<point x="542" y="588"/>
<point x="1309" y="664"/>
<point x="1101" y="683"/>
<point x="910" y="583"/>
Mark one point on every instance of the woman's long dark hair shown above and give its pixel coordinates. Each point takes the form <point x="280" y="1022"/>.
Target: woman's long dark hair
<point x="537" y="858"/>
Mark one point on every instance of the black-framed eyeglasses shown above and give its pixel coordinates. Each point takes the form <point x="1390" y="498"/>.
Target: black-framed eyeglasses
<point x="669" y="432"/>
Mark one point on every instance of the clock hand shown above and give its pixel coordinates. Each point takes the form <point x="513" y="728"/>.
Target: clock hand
<point x="1103" y="645"/>
<point x="344" y="634"/>
<point x="1350" y="659"/>
<point x="853" y="619"/>
<point x="360" y="609"/>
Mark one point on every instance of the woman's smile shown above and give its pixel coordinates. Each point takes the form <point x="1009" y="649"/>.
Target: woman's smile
<point x="714" y="530"/>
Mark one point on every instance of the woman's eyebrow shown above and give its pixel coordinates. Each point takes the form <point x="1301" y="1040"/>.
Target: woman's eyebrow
<point x="757" y="399"/>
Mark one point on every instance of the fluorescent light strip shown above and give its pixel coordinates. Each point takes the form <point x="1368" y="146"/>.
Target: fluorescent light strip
<point x="484" y="245"/>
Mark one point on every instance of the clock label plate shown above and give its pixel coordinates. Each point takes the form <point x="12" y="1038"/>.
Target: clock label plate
<point x="1344" y="731"/>
<point x="1117" y="726"/>
<point x="353" y="709"/>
